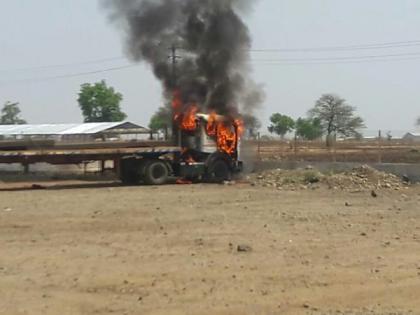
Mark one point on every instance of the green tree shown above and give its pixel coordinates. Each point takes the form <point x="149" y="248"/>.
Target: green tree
<point x="281" y="124"/>
<point x="336" y="117"/>
<point x="309" y="129"/>
<point x="161" y="120"/>
<point x="10" y="115"/>
<point x="100" y="103"/>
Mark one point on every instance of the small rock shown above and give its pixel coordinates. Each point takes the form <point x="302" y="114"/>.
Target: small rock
<point x="244" y="248"/>
<point x="38" y="187"/>
<point x="374" y="194"/>
<point x="347" y="204"/>
<point x="8" y="209"/>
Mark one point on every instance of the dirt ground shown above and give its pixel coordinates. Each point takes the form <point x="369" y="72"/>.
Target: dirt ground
<point x="174" y="250"/>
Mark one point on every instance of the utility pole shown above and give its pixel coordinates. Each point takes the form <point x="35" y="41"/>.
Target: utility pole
<point x="176" y="137"/>
<point x="174" y="60"/>
<point x="380" y="146"/>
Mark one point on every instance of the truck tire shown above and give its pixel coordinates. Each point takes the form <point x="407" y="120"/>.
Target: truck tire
<point x="130" y="171"/>
<point x="219" y="171"/>
<point x="156" y="172"/>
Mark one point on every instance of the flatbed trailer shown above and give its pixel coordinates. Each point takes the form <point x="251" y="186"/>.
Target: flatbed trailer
<point x="61" y="156"/>
<point x="148" y="163"/>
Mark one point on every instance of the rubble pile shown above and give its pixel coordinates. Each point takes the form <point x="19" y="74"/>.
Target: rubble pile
<point x="358" y="179"/>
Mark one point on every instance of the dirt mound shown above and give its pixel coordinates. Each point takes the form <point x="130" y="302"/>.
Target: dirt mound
<point x="358" y="179"/>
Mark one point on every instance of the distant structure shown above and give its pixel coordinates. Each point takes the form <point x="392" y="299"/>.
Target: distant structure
<point x="120" y="131"/>
<point x="412" y="136"/>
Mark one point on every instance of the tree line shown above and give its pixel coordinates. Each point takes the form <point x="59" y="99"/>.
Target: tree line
<point x="331" y="115"/>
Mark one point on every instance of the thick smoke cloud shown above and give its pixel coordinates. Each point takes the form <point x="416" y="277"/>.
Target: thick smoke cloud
<point x="212" y="43"/>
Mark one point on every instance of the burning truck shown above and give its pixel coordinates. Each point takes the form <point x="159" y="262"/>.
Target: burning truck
<point x="207" y="149"/>
<point x="208" y="45"/>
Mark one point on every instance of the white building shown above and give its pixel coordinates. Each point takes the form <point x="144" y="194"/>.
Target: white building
<point x="412" y="136"/>
<point x="75" y="132"/>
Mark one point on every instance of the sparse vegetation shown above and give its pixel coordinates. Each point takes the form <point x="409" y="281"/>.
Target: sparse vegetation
<point x="100" y="103"/>
<point x="10" y="114"/>
<point x="281" y="124"/>
<point x="309" y="129"/>
<point x="161" y="120"/>
<point x="337" y="117"/>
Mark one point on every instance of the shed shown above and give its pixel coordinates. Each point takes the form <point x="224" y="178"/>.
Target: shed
<point x="412" y="136"/>
<point x="75" y="132"/>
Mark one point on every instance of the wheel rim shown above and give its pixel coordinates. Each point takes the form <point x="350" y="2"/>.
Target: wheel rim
<point x="158" y="171"/>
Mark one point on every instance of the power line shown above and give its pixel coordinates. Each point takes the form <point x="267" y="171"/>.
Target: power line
<point x="273" y="63"/>
<point x="389" y="45"/>
<point x="333" y="62"/>
<point x="82" y="63"/>
<point x="284" y="61"/>
<point x="355" y="58"/>
<point x="73" y="75"/>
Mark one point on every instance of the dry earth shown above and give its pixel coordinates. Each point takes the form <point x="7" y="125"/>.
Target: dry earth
<point x="173" y="250"/>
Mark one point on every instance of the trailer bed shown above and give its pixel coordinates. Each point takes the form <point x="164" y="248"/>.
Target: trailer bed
<point x="78" y="155"/>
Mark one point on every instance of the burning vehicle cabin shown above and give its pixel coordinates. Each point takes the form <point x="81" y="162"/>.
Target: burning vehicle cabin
<point x="207" y="150"/>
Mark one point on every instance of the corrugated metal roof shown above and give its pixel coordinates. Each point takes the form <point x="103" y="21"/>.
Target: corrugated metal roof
<point x="63" y="129"/>
<point x="413" y="134"/>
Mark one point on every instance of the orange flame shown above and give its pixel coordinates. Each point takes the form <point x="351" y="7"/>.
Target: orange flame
<point x="185" y="116"/>
<point x="212" y="125"/>
<point x="227" y="133"/>
<point x="189" y="118"/>
<point x="226" y="138"/>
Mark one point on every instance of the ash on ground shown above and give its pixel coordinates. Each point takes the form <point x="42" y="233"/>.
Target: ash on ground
<point x="362" y="178"/>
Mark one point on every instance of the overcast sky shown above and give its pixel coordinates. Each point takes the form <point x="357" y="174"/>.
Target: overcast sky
<point x="36" y="34"/>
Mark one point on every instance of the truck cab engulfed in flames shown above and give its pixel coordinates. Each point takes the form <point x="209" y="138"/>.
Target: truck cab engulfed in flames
<point x="210" y="145"/>
<point x="206" y="149"/>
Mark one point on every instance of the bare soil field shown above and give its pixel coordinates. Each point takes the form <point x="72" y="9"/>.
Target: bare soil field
<point x="106" y="249"/>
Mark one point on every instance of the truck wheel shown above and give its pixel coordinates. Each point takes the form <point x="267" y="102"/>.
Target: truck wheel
<point x="219" y="172"/>
<point x="156" y="173"/>
<point x="130" y="172"/>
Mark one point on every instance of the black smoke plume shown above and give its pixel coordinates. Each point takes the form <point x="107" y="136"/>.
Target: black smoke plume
<point x="212" y="45"/>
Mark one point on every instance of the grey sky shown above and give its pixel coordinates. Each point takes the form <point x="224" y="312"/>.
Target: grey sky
<point x="50" y="32"/>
